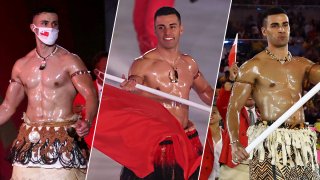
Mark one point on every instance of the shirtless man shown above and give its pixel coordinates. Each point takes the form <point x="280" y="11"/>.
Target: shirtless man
<point x="274" y="78"/>
<point x="166" y="69"/>
<point x="50" y="77"/>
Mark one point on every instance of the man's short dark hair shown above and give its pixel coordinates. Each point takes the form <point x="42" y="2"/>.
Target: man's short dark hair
<point x="42" y="9"/>
<point x="163" y="11"/>
<point x="272" y="11"/>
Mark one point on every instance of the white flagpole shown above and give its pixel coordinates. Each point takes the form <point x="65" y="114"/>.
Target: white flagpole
<point x="283" y="118"/>
<point x="162" y="94"/>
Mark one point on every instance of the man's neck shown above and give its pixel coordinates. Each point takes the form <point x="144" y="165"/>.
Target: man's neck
<point x="44" y="49"/>
<point x="279" y="52"/>
<point x="168" y="54"/>
<point x="249" y="107"/>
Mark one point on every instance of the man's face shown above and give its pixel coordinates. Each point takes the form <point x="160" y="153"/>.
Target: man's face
<point x="277" y="30"/>
<point x="168" y="30"/>
<point x="250" y="102"/>
<point x="48" y="20"/>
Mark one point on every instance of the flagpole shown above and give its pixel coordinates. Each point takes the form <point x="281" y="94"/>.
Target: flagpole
<point x="162" y="94"/>
<point x="283" y="118"/>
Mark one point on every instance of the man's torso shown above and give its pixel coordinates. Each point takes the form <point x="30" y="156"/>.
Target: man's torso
<point x="50" y="91"/>
<point x="157" y="74"/>
<point x="276" y="87"/>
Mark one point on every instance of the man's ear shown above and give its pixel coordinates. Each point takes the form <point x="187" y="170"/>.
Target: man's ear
<point x="263" y="31"/>
<point x="32" y="27"/>
<point x="181" y="30"/>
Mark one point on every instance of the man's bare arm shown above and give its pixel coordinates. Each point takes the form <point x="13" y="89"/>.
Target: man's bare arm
<point x="314" y="74"/>
<point x="135" y="76"/>
<point x="241" y="91"/>
<point x="14" y="96"/>
<point x="199" y="84"/>
<point x="203" y="89"/>
<point x="84" y="85"/>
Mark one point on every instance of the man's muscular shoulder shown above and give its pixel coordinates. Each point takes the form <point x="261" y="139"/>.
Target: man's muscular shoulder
<point x="303" y="61"/>
<point x="146" y="59"/>
<point x="71" y="62"/>
<point x="310" y="68"/>
<point x="249" y="70"/>
<point x="20" y="63"/>
<point x="24" y="59"/>
<point x="191" y="62"/>
<point x="149" y="57"/>
<point x="143" y="63"/>
<point x="189" y="59"/>
<point x="70" y="58"/>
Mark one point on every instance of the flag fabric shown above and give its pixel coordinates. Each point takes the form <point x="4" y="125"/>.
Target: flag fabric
<point x="130" y="128"/>
<point x="233" y="52"/>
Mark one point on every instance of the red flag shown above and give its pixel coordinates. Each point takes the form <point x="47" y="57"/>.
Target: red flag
<point x="233" y="52"/>
<point x="130" y="128"/>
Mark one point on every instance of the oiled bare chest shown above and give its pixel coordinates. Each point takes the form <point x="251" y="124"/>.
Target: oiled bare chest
<point x="168" y="78"/>
<point x="277" y="76"/>
<point x="53" y="76"/>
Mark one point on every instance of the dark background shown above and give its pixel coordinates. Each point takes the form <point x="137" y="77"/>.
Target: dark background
<point x="85" y="29"/>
